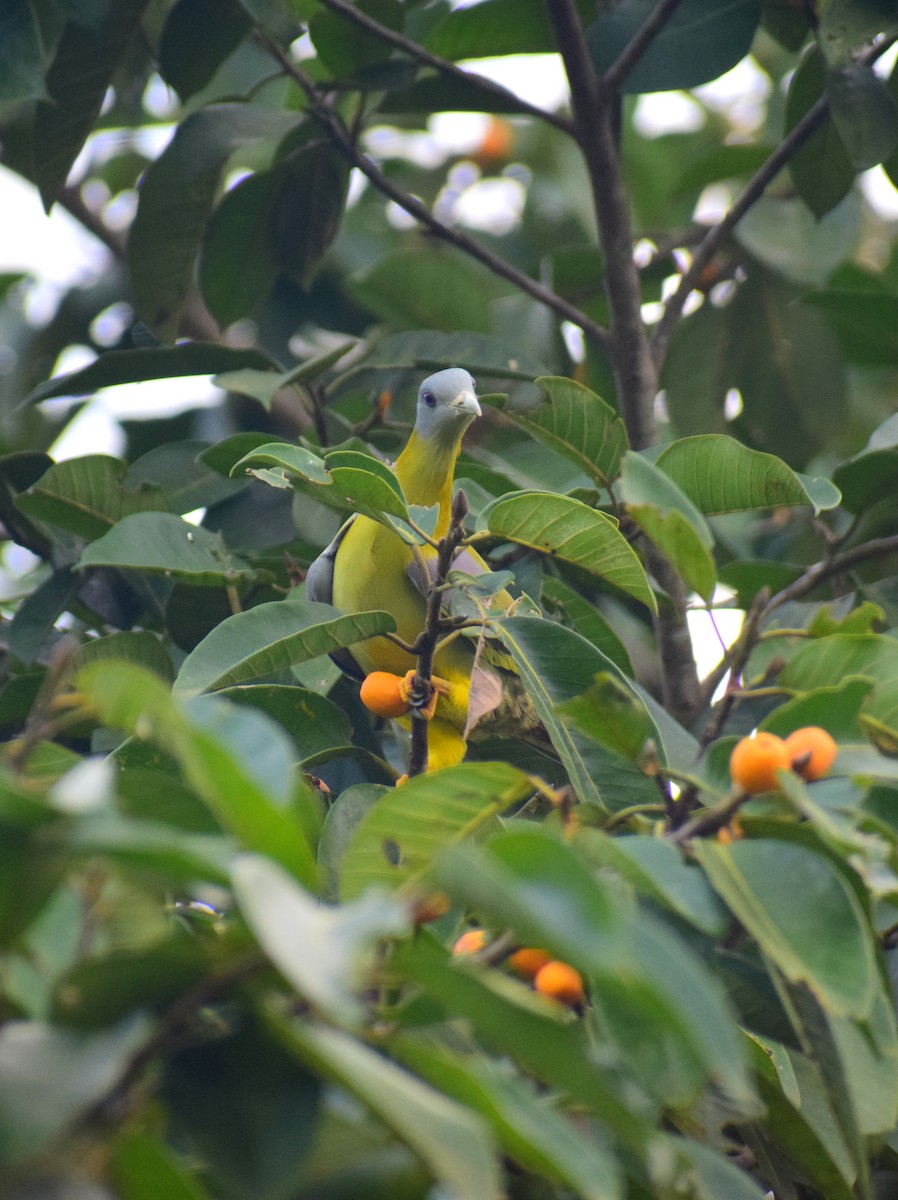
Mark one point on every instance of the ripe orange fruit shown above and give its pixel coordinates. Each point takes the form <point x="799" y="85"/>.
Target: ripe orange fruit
<point x="560" y="981"/>
<point x="381" y="693"/>
<point x="528" y="961"/>
<point x="497" y="143"/>
<point x="811" y="752"/>
<point x="755" y="761"/>
<point x="470" y="942"/>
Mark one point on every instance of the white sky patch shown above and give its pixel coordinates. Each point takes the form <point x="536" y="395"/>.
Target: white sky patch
<point x="713" y="204"/>
<point x="705" y="641"/>
<point x="741" y="95"/>
<point x="658" y="113"/>
<point x="537" y="78"/>
<point x="94" y="430"/>
<point x="493" y="205"/>
<point x="56" y="248"/>
<point x="881" y="193"/>
<point x="459" y="133"/>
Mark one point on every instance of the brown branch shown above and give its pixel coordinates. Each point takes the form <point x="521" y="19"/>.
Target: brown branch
<point x="754" y="189"/>
<point x="428" y="640"/>
<point x="415" y="208"/>
<point x="637" y="46"/>
<point x="443" y="66"/>
<point x="821" y="571"/>
<point x="595" y="109"/>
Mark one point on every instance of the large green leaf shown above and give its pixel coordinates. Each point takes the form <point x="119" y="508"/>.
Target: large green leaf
<point x="197" y="37"/>
<point x="87" y="495"/>
<point x="785" y="894"/>
<point x="865" y="322"/>
<point x="670" y="519"/>
<point x="325" y="952"/>
<point x="164" y="544"/>
<point x="176" y="198"/>
<point x="498" y="27"/>
<point x="143" y="1169"/>
<point x="584" y="618"/>
<point x="872" y="474"/>
<point x="454" y="1142"/>
<point x="720" y="475"/>
<point x="557" y="665"/>
<point x="700" y="41"/>
<point x="567" y="529"/>
<point x="21" y="54"/>
<point x="577" y="423"/>
<point x="409" y="289"/>
<point x="82" y="69"/>
<point x="531" y="1129"/>
<point x="845" y="24"/>
<point x="151" y="362"/>
<point x="236" y="266"/>
<point x="306" y="208"/>
<point x="270" y="638"/>
<point x="400" y="834"/>
<point x="821" y="169"/>
<point x="865" y="113"/>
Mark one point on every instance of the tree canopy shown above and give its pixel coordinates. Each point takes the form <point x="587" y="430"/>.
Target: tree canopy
<point x="226" y="935"/>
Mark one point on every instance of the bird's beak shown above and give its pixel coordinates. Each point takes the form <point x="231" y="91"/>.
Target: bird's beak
<point x="466" y="402"/>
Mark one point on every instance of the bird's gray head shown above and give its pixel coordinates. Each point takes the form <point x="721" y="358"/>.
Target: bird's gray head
<point x="447" y="404"/>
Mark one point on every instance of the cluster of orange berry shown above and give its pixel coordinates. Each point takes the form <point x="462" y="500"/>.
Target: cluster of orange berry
<point x="549" y="977"/>
<point x="755" y="760"/>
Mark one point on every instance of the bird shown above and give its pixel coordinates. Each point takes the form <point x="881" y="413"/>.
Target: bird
<point x="369" y="566"/>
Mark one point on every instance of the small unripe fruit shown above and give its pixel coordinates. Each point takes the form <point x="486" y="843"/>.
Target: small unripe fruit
<point x="470" y="943"/>
<point x="528" y="962"/>
<point x="811" y="752"/>
<point x="756" y="760"/>
<point x="560" y="981"/>
<point x="382" y="693"/>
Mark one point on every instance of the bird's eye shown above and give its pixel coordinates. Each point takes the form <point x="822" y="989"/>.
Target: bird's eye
<point x="429" y="399"/>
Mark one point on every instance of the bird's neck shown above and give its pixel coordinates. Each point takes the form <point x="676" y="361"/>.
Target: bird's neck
<point x="425" y="470"/>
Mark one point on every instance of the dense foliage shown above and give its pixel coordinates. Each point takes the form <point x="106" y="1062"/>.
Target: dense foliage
<point x="225" y="935"/>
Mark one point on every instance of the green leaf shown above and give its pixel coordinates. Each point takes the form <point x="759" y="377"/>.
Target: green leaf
<point x="584" y="618"/>
<point x="153" y="362"/>
<point x="720" y="475"/>
<point x="21" y="54"/>
<point x="236" y="266"/>
<point x="82" y="1066"/>
<point x="785" y="894"/>
<point x="316" y="725"/>
<point x="656" y="869"/>
<point x="36" y="615"/>
<point x="87" y="495"/>
<point x="150" y="848"/>
<point x="613" y="715"/>
<point x="134" y="645"/>
<point x="306" y="209"/>
<point x="576" y="423"/>
<point x="454" y="1143"/>
<point x="667" y="516"/>
<point x="498" y="28"/>
<point x="821" y="169"/>
<point x="325" y="952"/>
<point x="245" y="1109"/>
<point x="271" y="637"/>
<point x="176" y="199"/>
<point x="700" y="41"/>
<point x="711" y="1175"/>
<point x="197" y="37"/>
<point x="865" y="322"/>
<point x="569" y="530"/>
<point x="556" y="666"/>
<point x="179" y="470"/>
<point x="872" y="474"/>
<point x="144" y="1169"/>
<point x="865" y="113"/>
<point x="399" y="835"/>
<point x="534" y="1132"/>
<point x="431" y="349"/>
<point x="82" y="69"/>
<point x="164" y="544"/>
<point x="845" y="24"/>
<point x="408" y="289"/>
<point x="345" y="47"/>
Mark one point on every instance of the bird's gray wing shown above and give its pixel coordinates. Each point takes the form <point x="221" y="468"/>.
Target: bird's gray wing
<point x="463" y="561"/>
<point x="320" y="588"/>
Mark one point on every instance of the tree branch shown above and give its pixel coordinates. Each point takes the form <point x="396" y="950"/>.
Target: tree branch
<point x="634" y="49"/>
<point x="713" y="239"/>
<point x="443" y="66"/>
<point x="421" y="213"/>
<point x="820" y="571"/>
<point x="594" y="107"/>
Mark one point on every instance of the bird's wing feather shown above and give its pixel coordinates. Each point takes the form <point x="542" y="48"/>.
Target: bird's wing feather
<point x="320" y="588"/>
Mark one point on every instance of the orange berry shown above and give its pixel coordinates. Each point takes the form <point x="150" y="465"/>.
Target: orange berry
<point x="811" y="752"/>
<point x="756" y="760"/>
<point x="497" y="143"/>
<point x="381" y="692"/>
<point x="560" y="981"/>
<point x="528" y="961"/>
<point x="470" y="943"/>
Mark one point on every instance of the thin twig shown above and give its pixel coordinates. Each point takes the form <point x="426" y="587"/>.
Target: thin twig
<point x="429" y="638"/>
<point x="711" y="819"/>
<point x="443" y="66"/>
<point x="637" y="46"/>
<point x="835" y="565"/>
<point x="415" y="208"/>
<point x="754" y="189"/>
